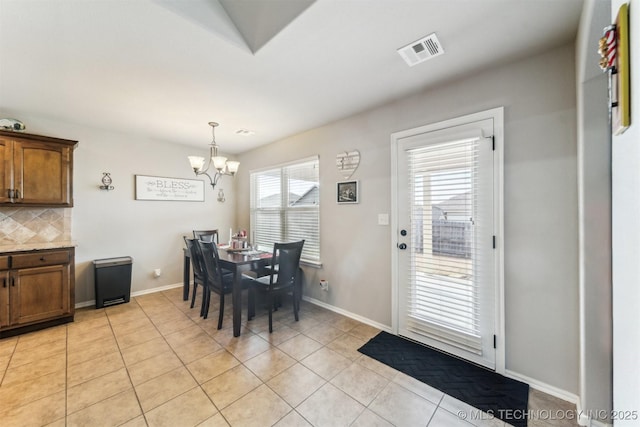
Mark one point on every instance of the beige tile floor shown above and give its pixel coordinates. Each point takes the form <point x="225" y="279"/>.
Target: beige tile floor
<point x="155" y="362"/>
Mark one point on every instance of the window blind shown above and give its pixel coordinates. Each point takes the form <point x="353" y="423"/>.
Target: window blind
<point x="285" y="207"/>
<point x="443" y="299"/>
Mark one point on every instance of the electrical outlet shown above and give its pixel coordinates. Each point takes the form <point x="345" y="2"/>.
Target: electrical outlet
<point x="324" y="285"/>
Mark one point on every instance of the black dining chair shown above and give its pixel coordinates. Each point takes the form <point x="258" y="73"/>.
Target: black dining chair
<point x="206" y="235"/>
<point x="199" y="277"/>
<point x="282" y="279"/>
<point x="216" y="279"/>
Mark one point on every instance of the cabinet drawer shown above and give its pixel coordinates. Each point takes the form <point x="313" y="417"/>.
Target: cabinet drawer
<point x="40" y="259"/>
<point x="4" y="262"/>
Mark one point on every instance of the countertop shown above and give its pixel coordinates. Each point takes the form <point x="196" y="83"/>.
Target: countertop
<point x="37" y="246"/>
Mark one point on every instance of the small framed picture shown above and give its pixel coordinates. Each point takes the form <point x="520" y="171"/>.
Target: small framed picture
<point x="347" y="192"/>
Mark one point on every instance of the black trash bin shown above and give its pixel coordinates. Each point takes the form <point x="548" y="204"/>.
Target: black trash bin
<point x="112" y="280"/>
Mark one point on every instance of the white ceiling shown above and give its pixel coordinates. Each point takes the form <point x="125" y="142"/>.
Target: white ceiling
<point x="162" y="69"/>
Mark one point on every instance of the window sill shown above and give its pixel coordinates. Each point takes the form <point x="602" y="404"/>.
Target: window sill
<point x="314" y="264"/>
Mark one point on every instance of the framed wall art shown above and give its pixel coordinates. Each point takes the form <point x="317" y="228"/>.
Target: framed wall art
<point x="614" y="52"/>
<point x="621" y="115"/>
<point x="347" y="192"/>
<point x="169" y="189"/>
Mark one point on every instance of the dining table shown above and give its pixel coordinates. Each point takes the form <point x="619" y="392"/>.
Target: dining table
<point x="237" y="261"/>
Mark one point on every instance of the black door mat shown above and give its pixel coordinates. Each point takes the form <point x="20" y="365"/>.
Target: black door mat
<point x="486" y="390"/>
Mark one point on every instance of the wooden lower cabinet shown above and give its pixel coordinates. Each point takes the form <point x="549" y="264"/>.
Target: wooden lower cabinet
<point x="4" y="299"/>
<point x="37" y="290"/>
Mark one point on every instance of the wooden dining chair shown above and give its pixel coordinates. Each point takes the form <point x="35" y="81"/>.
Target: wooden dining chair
<point x="283" y="279"/>
<point x="216" y="279"/>
<point x="199" y="277"/>
<point x="206" y="235"/>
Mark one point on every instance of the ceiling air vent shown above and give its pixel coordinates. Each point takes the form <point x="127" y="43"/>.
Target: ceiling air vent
<point x="421" y="50"/>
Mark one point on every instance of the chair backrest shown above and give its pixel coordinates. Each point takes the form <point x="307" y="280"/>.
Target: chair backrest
<point x="211" y="262"/>
<point x="288" y="259"/>
<point x="196" y="258"/>
<point x="206" y="235"/>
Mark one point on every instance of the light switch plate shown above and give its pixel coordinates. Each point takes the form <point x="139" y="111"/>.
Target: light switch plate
<point x="383" y="219"/>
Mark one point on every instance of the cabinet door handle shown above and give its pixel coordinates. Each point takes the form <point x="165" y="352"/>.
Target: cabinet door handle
<point x="10" y="193"/>
<point x="43" y="259"/>
<point x="17" y="194"/>
<point x="4" y="282"/>
<point x="13" y="281"/>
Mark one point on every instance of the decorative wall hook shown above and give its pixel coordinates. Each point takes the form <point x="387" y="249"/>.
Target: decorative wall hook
<point x="106" y="182"/>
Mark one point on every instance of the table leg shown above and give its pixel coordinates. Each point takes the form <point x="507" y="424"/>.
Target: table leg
<point x="237" y="301"/>
<point x="185" y="278"/>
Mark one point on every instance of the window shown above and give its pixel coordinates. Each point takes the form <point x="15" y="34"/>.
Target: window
<point x="285" y="206"/>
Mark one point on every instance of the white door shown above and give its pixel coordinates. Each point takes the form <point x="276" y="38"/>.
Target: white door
<point x="445" y="258"/>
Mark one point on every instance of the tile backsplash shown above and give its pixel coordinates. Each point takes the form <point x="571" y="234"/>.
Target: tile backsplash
<point x="34" y="225"/>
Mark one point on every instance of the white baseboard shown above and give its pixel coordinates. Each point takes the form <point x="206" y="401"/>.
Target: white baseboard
<point x="85" y="304"/>
<point x="582" y="418"/>
<point x="347" y="314"/>
<point x="154" y="290"/>
<point x="544" y="387"/>
<point x="135" y="294"/>
<point x="585" y="420"/>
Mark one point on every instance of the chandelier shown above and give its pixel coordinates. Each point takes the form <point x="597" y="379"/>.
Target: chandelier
<point x="220" y="164"/>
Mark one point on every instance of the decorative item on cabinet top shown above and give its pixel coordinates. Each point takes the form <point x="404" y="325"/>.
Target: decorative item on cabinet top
<point x="12" y="124"/>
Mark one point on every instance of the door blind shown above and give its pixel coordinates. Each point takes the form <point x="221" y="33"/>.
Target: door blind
<point x="285" y="207"/>
<point x="445" y="220"/>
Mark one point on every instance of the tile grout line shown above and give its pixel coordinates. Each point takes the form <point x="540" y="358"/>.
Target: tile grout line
<point x="200" y="385"/>
<point x="4" y="373"/>
<point x="66" y="374"/>
<point x="184" y="365"/>
<point x="125" y="365"/>
<point x="242" y="363"/>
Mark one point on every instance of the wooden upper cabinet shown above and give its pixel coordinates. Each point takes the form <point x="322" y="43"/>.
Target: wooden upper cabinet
<point x="37" y="170"/>
<point x="6" y="162"/>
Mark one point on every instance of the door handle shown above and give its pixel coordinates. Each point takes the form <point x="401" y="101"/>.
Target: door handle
<point x="402" y="246"/>
<point x="4" y="282"/>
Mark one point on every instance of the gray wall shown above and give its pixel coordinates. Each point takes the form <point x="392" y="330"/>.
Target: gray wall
<point x="541" y="234"/>
<point x="594" y="189"/>
<point x="112" y="223"/>
<point x="595" y="245"/>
